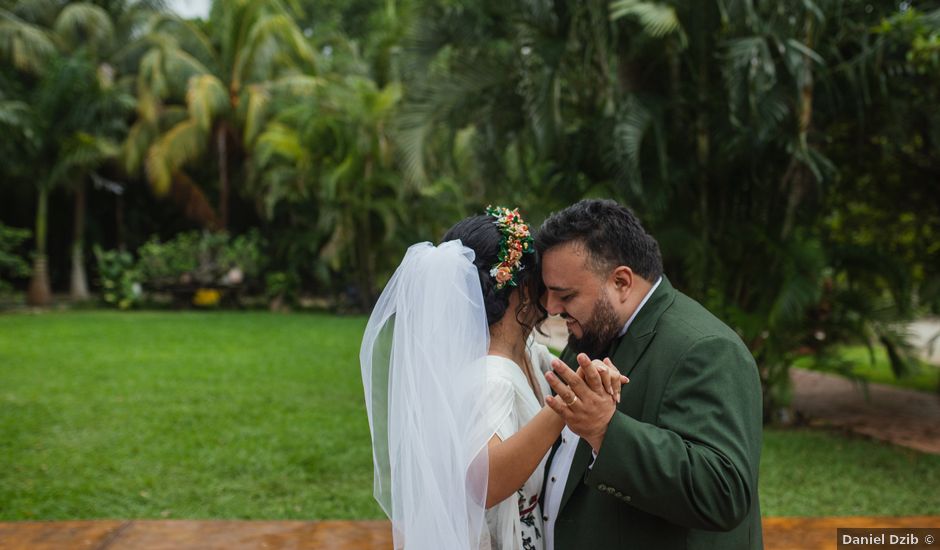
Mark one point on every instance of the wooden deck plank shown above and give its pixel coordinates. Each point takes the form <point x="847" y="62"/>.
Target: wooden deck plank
<point x="820" y="533"/>
<point x="58" y="535"/>
<point x="779" y="534"/>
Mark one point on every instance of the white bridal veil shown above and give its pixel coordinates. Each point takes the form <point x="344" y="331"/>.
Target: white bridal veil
<point x="422" y="360"/>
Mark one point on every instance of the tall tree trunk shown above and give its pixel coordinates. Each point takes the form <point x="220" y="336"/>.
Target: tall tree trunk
<point x="223" y="176"/>
<point x="79" y="281"/>
<point x="795" y="176"/>
<point x="40" y="292"/>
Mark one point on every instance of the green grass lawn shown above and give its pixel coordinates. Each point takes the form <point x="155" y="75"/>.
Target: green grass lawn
<point x="255" y="415"/>
<point x="182" y="415"/>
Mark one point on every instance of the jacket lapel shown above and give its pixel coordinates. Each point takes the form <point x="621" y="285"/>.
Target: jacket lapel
<point x="626" y="351"/>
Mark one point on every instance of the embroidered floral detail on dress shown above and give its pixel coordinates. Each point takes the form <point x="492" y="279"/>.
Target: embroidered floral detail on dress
<point x="527" y="518"/>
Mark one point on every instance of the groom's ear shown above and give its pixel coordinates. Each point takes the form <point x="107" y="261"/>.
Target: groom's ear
<point x="622" y="278"/>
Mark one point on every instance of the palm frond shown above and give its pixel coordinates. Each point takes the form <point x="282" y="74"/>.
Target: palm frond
<point x="438" y="99"/>
<point x="279" y="140"/>
<point x="295" y="84"/>
<point x="267" y="42"/>
<point x="656" y="19"/>
<point x="255" y="113"/>
<point x="151" y="79"/>
<point x="639" y="121"/>
<point x="279" y="166"/>
<point x="79" y="155"/>
<point x="165" y="69"/>
<point x="39" y="12"/>
<point x="183" y="143"/>
<point x="180" y="66"/>
<point x="169" y="31"/>
<point x="206" y="99"/>
<point x="82" y="24"/>
<point x="139" y="139"/>
<point x="385" y="100"/>
<point x="26" y="45"/>
<point x="750" y="74"/>
<point x="14" y="113"/>
<point x="800" y="286"/>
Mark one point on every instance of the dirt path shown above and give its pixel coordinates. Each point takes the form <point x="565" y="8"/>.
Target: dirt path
<point x="903" y="417"/>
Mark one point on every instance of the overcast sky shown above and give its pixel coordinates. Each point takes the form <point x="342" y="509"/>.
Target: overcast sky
<point x="190" y="8"/>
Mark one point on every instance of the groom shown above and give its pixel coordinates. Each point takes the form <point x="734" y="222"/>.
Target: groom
<point x="674" y="464"/>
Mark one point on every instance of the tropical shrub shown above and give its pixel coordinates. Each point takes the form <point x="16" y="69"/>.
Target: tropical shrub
<point x="119" y="278"/>
<point x="201" y="259"/>
<point x="282" y="289"/>
<point x="12" y="265"/>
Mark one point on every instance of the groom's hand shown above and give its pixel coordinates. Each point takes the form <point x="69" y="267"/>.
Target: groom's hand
<point x="584" y="403"/>
<point x="611" y="378"/>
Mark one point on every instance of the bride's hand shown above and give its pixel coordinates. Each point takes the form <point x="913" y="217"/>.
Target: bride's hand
<point x="611" y="379"/>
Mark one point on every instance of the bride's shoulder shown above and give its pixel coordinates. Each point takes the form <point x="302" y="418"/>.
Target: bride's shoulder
<point x="501" y="370"/>
<point x="497" y="364"/>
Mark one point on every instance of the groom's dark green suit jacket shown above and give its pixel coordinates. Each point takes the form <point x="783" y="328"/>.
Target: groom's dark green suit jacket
<point x="679" y="464"/>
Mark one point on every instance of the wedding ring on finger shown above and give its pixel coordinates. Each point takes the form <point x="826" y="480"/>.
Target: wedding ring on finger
<point x="572" y="402"/>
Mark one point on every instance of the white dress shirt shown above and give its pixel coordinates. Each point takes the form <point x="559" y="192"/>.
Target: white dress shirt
<point x="561" y="463"/>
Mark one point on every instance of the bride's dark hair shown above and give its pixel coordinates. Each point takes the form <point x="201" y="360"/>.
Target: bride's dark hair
<point x="480" y="234"/>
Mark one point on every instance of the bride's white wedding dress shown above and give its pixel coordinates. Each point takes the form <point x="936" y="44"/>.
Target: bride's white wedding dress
<point x="516" y="523"/>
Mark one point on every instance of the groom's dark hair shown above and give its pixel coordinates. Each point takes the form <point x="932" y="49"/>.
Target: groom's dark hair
<point x="611" y="234"/>
<point x="480" y="234"/>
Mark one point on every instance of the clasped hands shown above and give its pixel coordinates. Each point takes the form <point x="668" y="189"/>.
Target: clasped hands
<point x="586" y="399"/>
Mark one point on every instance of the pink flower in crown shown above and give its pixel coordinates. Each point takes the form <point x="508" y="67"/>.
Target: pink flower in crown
<point x="514" y="255"/>
<point x="503" y="274"/>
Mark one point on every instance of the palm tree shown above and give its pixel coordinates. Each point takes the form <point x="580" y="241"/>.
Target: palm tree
<point x="84" y="41"/>
<point x="79" y="140"/>
<point x="202" y="93"/>
<point x="334" y="152"/>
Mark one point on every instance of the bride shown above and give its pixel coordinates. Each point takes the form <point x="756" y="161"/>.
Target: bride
<point x="455" y="390"/>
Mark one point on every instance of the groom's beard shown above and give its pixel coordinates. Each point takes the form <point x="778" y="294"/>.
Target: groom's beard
<point x="598" y="332"/>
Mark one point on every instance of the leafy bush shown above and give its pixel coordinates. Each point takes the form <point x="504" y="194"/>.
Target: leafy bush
<point x="164" y="264"/>
<point x="120" y="280"/>
<point x="201" y="259"/>
<point x="282" y="288"/>
<point x="12" y="266"/>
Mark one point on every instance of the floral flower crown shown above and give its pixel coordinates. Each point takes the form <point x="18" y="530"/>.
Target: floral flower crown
<point x="515" y="242"/>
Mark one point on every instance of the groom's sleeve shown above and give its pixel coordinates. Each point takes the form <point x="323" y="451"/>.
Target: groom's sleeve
<point x="697" y="466"/>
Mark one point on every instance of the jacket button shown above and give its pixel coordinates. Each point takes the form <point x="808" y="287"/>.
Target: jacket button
<point x="626" y="498"/>
<point x="602" y="487"/>
<point x="611" y="490"/>
<point x="618" y="494"/>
